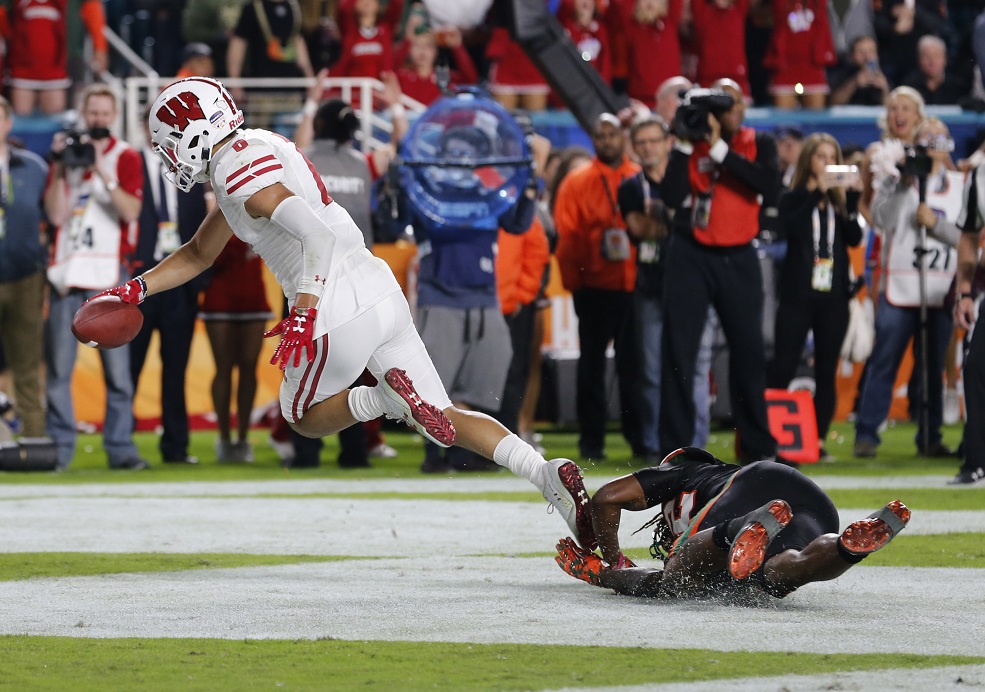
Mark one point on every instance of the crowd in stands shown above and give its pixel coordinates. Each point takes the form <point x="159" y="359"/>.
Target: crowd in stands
<point x="807" y="53"/>
<point x="613" y="218"/>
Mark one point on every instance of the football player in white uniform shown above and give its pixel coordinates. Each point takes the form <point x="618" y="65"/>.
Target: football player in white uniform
<point x="347" y="310"/>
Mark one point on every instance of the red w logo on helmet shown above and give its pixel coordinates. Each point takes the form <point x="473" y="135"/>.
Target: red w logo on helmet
<point x="180" y="110"/>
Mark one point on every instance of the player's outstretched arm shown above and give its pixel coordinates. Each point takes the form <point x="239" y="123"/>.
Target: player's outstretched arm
<point x="607" y="506"/>
<point x="641" y="582"/>
<point x="192" y="258"/>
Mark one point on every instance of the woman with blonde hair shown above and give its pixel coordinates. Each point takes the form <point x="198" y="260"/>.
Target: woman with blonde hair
<point x="818" y="215"/>
<point x="904" y="114"/>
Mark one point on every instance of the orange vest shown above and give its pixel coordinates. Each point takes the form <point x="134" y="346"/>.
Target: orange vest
<point x="734" y="218"/>
<point x="585" y="207"/>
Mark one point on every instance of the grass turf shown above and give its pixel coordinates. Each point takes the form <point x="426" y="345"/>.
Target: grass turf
<point x="17" y="566"/>
<point x="84" y="664"/>
<point x="897" y="456"/>
<point x="58" y="663"/>
<point x="964" y="550"/>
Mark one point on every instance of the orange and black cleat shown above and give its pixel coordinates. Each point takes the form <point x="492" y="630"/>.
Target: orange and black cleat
<point x="879" y="528"/>
<point x="749" y="545"/>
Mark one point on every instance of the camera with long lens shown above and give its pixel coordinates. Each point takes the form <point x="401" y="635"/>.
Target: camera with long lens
<point x="917" y="162"/>
<point x="79" y="150"/>
<point x="691" y="119"/>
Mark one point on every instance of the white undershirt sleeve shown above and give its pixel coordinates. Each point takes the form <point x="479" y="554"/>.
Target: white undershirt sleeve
<point x="317" y="241"/>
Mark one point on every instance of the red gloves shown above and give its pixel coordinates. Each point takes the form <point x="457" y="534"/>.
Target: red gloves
<point x="298" y="331"/>
<point x="133" y="291"/>
<point x="585" y="564"/>
<point x="579" y="563"/>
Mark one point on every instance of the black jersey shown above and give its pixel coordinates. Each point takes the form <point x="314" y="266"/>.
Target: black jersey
<point x="684" y="482"/>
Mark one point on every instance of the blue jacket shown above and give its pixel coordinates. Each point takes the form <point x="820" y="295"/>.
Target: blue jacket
<point x="458" y="265"/>
<point x="21" y="251"/>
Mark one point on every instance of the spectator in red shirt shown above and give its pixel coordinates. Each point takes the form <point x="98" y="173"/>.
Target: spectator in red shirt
<point x="417" y="76"/>
<point x="367" y="49"/>
<point x="514" y="80"/>
<point x="720" y="40"/>
<point x="800" y="48"/>
<point x="580" y="19"/>
<point x="36" y="33"/>
<point x="653" y="49"/>
<point x="388" y="14"/>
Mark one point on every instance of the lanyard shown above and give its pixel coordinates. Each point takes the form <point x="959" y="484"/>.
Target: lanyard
<point x="816" y="223"/>
<point x="608" y="193"/>
<point x="6" y="185"/>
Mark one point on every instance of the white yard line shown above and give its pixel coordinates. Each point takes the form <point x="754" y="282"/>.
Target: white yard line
<point x="502" y="482"/>
<point x="325" y="526"/>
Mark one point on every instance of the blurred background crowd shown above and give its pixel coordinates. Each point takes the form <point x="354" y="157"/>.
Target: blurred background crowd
<point x="66" y="64"/>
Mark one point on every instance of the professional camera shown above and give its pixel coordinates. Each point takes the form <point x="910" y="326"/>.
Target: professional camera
<point x="79" y="151"/>
<point x="917" y="162"/>
<point x="691" y="119"/>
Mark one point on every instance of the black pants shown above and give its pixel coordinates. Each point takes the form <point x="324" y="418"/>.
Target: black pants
<point x="827" y="316"/>
<point x="605" y="316"/>
<point x="730" y="279"/>
<point x="521" y="325"/>
<point x="353" y="450"/>
<point x="172" y="314"/>
<point x="974" y="398"/>
<point x="814" y="514"/>
<point x="353" y="447"/>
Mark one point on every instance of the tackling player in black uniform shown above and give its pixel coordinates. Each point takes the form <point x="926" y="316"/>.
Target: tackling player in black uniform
<point x="765" y="524"/>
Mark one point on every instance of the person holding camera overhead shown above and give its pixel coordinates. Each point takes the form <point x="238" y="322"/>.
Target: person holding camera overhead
<point x="728" y="170"/>
<point x="93" y="199"/>
<point x="818" y="219"/>
<point x="899" y="213"/>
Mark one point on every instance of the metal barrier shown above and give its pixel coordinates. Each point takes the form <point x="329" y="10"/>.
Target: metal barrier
<point x="140" y="91"/>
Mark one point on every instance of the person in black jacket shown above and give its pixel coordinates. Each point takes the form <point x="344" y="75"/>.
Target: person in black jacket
<point x="818" y="218"/>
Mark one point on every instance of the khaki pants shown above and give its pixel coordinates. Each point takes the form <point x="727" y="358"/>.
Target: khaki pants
<point x="21" y="322"/>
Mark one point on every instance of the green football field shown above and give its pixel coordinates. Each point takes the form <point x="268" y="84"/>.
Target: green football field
<point x="254" y="577"/>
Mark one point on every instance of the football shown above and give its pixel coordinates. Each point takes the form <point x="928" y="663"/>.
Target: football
<point x="107" y="322"/>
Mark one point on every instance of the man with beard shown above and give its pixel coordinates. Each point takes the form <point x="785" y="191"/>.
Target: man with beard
<point x="598" y="265"/>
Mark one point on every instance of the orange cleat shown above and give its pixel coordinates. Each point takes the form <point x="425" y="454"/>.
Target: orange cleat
<point x="749" y="545"/>
<point x="868" y="535"/>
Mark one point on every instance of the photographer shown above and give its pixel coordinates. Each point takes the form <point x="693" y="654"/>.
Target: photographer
<point x="860" y="82"/>
<point x="899" y="213"/>
<point x="817" y="216"/>
<point x="726" y="169"/>
<point x="93" y="198"/>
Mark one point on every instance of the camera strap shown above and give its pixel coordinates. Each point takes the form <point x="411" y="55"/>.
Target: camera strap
<point x="6" y="195"/>
<point x="647" y="199"/>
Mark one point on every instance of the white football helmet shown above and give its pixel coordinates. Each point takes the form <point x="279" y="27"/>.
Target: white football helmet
<point x="187" y="119"/>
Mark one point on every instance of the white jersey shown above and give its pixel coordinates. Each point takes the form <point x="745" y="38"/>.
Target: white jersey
<point x="87" y="246"/>
<point x="257" y="159"/>
<point x="894" y="209"/>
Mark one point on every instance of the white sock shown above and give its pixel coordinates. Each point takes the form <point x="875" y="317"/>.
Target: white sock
<point x="521" y="459"/>
<point x="365" y="403"/>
